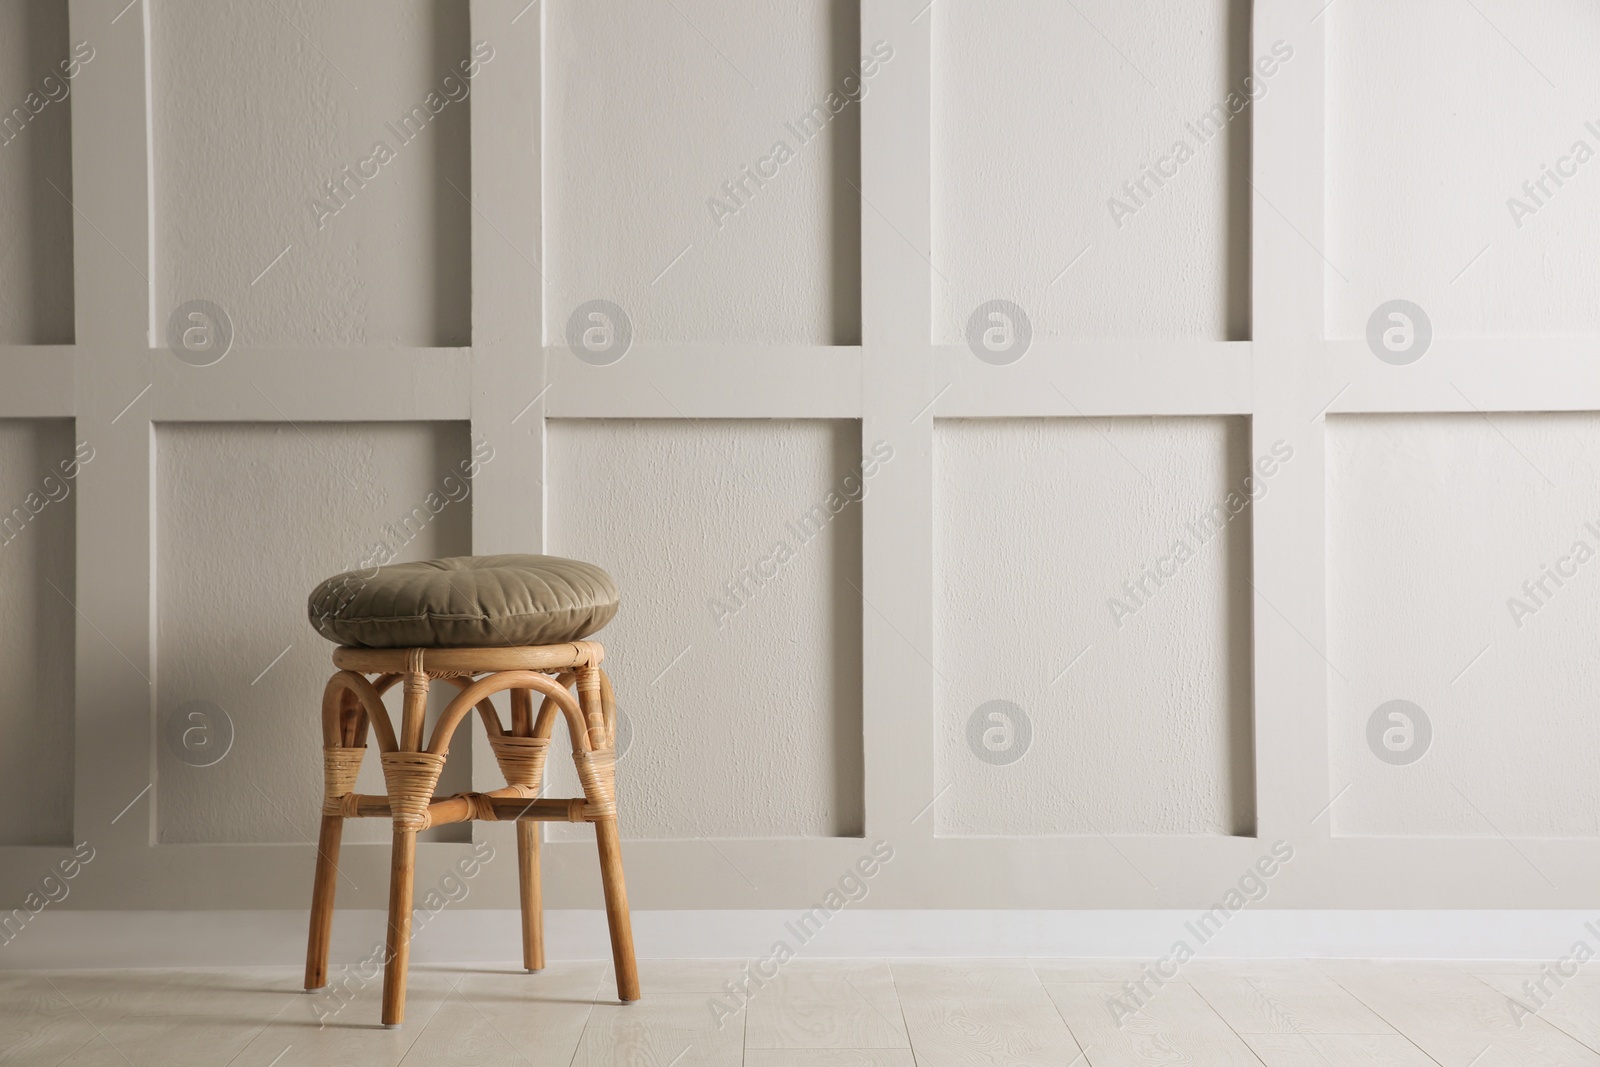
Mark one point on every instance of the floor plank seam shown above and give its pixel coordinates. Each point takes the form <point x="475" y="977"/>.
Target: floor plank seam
<point x="1386" y="1020"/>
<point x="1539" y="1014"/>
<point x="911" y="1042"/>
<point x="588" y="1017"/>
<point x="257" y="1035"/>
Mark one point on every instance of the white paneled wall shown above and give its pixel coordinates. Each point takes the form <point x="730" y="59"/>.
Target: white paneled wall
<point x="1472" y="546"/>
<point x="666" y="191"/>
<point x="1091" y="97"/>
<point x="737" y="653"/>
<point x="35" y="154"/>
<point x="785" y="326"/>
<point x="38" y="477"/>
<point x="1428" y="146"/>
<point x="1087" y="576"/>
<point x="249" y="518"/>
<point x="334" y="135"/>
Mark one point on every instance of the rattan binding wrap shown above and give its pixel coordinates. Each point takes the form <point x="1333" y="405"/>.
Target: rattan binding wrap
<point x="597" y="771"/>
<point x="410" y="778"/>
<point x="340" y="767"/>
<point x="521" y="760"/>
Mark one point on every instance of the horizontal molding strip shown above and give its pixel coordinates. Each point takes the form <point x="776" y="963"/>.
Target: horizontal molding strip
<point x="722" y="381"/>
<point x="1468" y="375"/>
<point x="314" y="385"/>
<point x="1097" y="378"/>
<point x="1111" y="378"/>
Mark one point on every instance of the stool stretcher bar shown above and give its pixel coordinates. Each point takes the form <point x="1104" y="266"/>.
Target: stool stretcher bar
<point x="464" y="807"/>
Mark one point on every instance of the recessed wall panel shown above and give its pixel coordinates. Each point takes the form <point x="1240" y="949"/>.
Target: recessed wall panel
<point x="1091" y="164"/>
<point x="737" y="652"/>
<point x="38" y="503"/>
<point x="312" y="168"/>
<point x="38" y="69"/>
<point x="1462" y="172"/>
<point x="1092" y="625"/>
<point x="1463" y="589"/>
<point x="249" y="518"/>
<point x="702" y="162"/>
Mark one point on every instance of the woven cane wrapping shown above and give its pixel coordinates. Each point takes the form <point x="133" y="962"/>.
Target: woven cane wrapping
<point x="597" y="771"/>
<point x="340" y="766"/>
<point x="411" y="778"/>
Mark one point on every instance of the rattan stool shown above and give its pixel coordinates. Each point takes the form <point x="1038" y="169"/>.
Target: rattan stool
<point x="352" y="702"/>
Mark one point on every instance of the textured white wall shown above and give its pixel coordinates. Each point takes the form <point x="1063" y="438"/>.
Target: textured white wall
<point x="1438" y="113"/>
<point x="37" y="507"/>
<point x="1434" y="525"/>
<point x="249" y="518"/>
<point x="745" y="723"/>
<point x="35" y="151"/>
<point x="1035" y="128"/>
<point x="257" y="105"/>
<point x="1139" y="719"/>
<point x="651" y="108"/>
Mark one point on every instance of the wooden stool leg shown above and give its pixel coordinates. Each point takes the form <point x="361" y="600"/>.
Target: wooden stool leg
<point x="402" y="871"/>
<point x="596" y="763"/>
<point x="605" y="832"/>
<point x="344" y="730"/>
<point x="410" y="775"/>
<point x="322" y="890"/>
<point x="532" y="894"/>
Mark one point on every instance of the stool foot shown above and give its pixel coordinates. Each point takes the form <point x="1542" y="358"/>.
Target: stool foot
<point x="322" y="892"/>
<point x="616" y="892"/>
<point x="532" y="895"/>
<point x="318" y="989"/>
<point x="402" y="872"/>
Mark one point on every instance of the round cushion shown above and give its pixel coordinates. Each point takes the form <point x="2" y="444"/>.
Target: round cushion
<point x="465" y="602"/>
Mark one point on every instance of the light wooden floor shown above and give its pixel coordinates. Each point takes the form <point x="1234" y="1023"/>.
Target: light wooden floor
<point x="827" y="1013"/>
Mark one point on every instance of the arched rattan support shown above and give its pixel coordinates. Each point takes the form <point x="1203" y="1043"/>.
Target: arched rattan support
<point x="608" y="703"/>
<point x="521" y="713"/>
<point x="498" y="683"/>
<point x="594" y="717"/>
<point x="545" y="723"/>
<point x="597" y="764"/>
<point x="486" y="708"/>
<point x="352" y="728"/>
<point x="371" y="702"/>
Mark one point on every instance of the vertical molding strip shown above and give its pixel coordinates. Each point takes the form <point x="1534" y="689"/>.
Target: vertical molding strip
<point x="115" y="596"/>
<point x="507" y="356"/>
<point x="1291" y="672"/>
<point x="897" y="393"/>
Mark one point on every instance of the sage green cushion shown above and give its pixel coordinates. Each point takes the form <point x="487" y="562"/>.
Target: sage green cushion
<point x="465" y="602"/>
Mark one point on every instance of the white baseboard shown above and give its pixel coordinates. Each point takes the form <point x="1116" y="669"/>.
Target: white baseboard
<point x="77" y="939"/>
